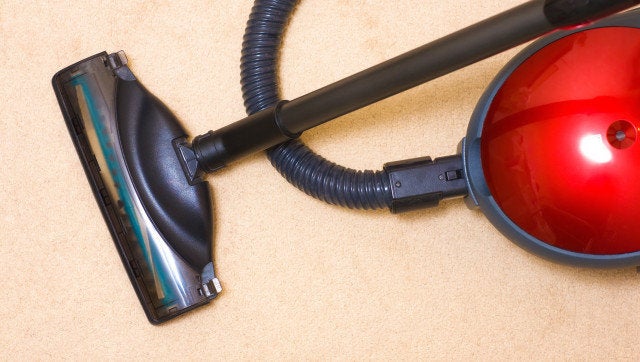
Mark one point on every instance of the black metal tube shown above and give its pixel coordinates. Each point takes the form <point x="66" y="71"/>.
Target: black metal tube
<point x="458" y="50"/>
<point x="467" y="46"/>
<point x="563" y="13"/>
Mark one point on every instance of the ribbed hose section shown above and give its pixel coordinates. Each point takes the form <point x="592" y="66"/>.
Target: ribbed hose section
<point x="305" y="169"/>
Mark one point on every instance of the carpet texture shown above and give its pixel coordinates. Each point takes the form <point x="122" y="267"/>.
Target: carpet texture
<point x="301" y="279"/>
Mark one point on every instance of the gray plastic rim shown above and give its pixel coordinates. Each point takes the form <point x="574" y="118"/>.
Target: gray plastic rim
<point x="479" y="194"/>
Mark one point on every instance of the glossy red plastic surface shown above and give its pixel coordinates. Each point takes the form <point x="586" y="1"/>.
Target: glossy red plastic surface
<point x="561" y="146"/>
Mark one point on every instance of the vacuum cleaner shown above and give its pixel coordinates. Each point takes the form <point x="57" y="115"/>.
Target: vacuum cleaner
<point x="550" y="156"/>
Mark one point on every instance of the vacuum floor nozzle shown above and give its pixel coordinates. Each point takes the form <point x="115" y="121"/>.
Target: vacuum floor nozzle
<point x="161" y="224"/>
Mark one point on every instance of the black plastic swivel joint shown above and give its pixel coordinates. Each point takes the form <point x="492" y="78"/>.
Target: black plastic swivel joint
<point x="215" y="149"/>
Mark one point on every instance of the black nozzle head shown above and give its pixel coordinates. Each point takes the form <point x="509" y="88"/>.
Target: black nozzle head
<point x="161" y="226"/>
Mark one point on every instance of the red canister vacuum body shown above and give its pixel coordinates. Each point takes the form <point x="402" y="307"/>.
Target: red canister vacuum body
<point x="559" y="146"/>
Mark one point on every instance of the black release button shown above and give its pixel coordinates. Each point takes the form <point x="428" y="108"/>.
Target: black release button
<point x="453" y="175"/>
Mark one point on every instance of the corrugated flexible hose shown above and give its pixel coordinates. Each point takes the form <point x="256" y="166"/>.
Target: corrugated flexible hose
<point x="305" y="169"/>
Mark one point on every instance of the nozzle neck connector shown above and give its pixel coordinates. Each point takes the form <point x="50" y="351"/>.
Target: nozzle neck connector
<point x="214" y="150"/>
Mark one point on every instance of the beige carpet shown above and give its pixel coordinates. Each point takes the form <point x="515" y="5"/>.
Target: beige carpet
<point x="302" y="280"/>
